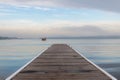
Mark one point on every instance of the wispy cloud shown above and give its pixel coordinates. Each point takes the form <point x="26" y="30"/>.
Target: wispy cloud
<point x="34" y="18"/>
<point x="106" y="5"/>
<point x="28" y="28"/>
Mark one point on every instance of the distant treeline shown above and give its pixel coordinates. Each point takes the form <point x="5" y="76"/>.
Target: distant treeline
<point x="1" y="38"/>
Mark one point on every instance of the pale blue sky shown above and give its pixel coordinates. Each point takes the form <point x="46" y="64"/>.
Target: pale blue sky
<point x="33" y="19"/>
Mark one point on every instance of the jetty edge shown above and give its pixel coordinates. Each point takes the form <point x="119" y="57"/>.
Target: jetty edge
<point x="12" y="75"/>
<point x="60" y="62"/>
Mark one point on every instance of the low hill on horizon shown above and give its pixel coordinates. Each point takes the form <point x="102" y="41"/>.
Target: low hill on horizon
<point x="1" y="38"/>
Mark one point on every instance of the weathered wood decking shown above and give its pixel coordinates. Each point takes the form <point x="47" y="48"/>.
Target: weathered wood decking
<point x="60" y="62"/>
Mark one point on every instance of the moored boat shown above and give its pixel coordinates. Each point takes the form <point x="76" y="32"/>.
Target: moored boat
<point x="43" y="39"/>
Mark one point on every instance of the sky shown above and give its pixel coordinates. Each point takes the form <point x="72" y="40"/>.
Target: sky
<point x="59" y="18"/>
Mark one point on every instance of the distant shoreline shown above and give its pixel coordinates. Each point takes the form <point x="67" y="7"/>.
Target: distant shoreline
<point x="6" y="38"/>
<point x="108" y="37"/>
<point x="83" y="37"/>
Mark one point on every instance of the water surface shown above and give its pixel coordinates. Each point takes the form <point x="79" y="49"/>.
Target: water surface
<point x="16" y="53"/>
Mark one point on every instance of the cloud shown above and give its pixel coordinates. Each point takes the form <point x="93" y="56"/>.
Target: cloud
<point x="71" y="31"/>
<point x="33" y="29"/>
<point x="107" y="5"/>
<point x="76" y="31"/>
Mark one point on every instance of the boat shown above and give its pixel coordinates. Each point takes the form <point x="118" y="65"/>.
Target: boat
<point x="43" y="39"/>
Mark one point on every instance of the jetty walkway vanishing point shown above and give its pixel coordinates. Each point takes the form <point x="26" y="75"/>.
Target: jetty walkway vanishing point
<point x="60" y="62"/>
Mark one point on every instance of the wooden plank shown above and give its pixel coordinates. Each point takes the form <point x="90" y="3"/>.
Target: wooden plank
<point x="60" y="62"/>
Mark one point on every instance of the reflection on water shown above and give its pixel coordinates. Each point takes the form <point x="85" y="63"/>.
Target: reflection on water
<point x="15" y="53"/>
<point x="103" y="52"/>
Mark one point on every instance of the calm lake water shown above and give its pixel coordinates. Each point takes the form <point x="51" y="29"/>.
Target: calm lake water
<point x="16" y="53"/>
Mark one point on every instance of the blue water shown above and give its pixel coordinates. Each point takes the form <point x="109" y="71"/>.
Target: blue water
<point x="16" y="53"/>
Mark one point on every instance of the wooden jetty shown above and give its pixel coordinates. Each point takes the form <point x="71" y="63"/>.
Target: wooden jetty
<point x="61" y="62"/>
